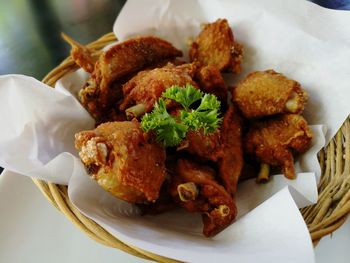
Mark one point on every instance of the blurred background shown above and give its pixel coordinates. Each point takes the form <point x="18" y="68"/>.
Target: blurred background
<point x="334" y="4"/>
<point x="30" y="41"/>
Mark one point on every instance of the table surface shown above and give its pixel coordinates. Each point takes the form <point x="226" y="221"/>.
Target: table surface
<point x="31" y="229"/>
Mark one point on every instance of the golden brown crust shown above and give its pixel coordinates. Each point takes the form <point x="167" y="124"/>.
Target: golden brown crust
<point x="265" y="93"/>
<point x="274" y="141"/>
<point x="133" y="55"/>
<point x="201" y="145"/>
<point x="123" y="161"/>
<point x="81" y="55"/>
<point x="147" y="86"/>
<point x="215" y="46"/>
<point x="231" y="156"/>
<point x="118" y="64"/>
<point x="211" y="81"/>
<point x="237" y="57"/>
<point x="224" y="147"/>
<point x="211" y="197"/>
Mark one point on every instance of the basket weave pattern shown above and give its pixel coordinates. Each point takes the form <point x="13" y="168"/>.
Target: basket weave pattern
<point x="323" y="218"/>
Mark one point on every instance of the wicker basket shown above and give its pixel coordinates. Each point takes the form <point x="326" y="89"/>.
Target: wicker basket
<point x="323" y="218"/>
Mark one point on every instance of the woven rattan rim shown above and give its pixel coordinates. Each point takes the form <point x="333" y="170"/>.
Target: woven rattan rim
<point x="323" y="218"/>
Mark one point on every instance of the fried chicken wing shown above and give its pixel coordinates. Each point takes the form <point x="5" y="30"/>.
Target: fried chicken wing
<point x="210" y="81"/>
<point x="274" y="141"/>
<point x="123" y="160"/>
<point x="82" y="55"/>
<point x="264" y="93"/>
<point x="194" y="188"/>
<point x="231" y="155"/>
<point x="202" y="145"/>
<point x="117" y="65"/>
<point x="215" y="45"/>
<point x="163" y="204"/>
<point x="223" y="147"/>
<point x="144" y="90"/>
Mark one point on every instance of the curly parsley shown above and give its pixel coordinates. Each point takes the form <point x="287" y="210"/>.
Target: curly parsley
<point x="171" y="130"/>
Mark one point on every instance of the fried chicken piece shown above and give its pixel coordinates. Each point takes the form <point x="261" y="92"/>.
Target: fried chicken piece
<point x="223" y="147"/>
<point x="123" y="160"/>
<point x="274" y="141"/>
<point x="117" y="65"/>
<point x="201" y="145"/>
<point x="81" y="55"/>
<point x="210" y="81"/>
<point x="163" y="204"/>
<point x="215" y="45"/>
<point x="264" y="93"/>
<point x="147" y="86"/>
<point x="230" y="159"/>
<point x="194" y="188"/>
<point x="114" y="114"/>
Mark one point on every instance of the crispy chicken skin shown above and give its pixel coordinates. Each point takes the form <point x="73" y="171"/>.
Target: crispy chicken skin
<point x="210" y="80"/>
<point x="231" y="156"/>
<point x="265" y="93"/>
<point x="117" y="64"/>
<point x="274" y="141"/>
<point x="163" y="204"/>
<point x="123" y="160"/>
<point x="194" y="188"/>
<point x="215" y="46"/>
<point x="223" y="147"/>
<point x="204" y="146"/>
<point x="147" y="86"/>
<point x="81" y="55"/>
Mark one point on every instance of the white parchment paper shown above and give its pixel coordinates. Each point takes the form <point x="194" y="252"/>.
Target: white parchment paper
<point x="305" y="42"/>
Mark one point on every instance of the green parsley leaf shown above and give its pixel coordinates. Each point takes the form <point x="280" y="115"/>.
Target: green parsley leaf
<point x="171" y="130"/>
<point x="185" y="96"/>
<point x="209" y="102"/>
<point x="208" y="113"/>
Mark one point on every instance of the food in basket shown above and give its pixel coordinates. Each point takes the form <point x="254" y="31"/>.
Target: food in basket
<point x="216" y="46"/>
<point x="210" y="80"/>
<point x="193" y="186"/>
<point x="169" y="136"/>
<point x="265" y="93"/>
<point x="224" y="147"/>
<point x="123" y="160"/>
<point x="273" y="141"/>
<point x="115" y="66"/>
<point x="142" y="91"/>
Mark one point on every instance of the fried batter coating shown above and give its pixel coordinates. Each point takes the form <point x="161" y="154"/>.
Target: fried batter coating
<point x="81" y="55"/>
<point x="123" y="160"/>
<point x="210" y="81"/>
<point x="215" y="46"/>
<point x="223" y="147"/>
<point x="204" y="146"/>
<point x="231" y="156"/>
<point x="264" y="93"/>
<point x="274" y="141"/>
<point x="147" y="86"/>
<point x="163" y="204"/>
<point x="118" y="64"/>
<point x="194" y="188"/>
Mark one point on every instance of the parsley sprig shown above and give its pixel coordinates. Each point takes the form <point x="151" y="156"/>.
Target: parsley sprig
<point x="171" y="130"/>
